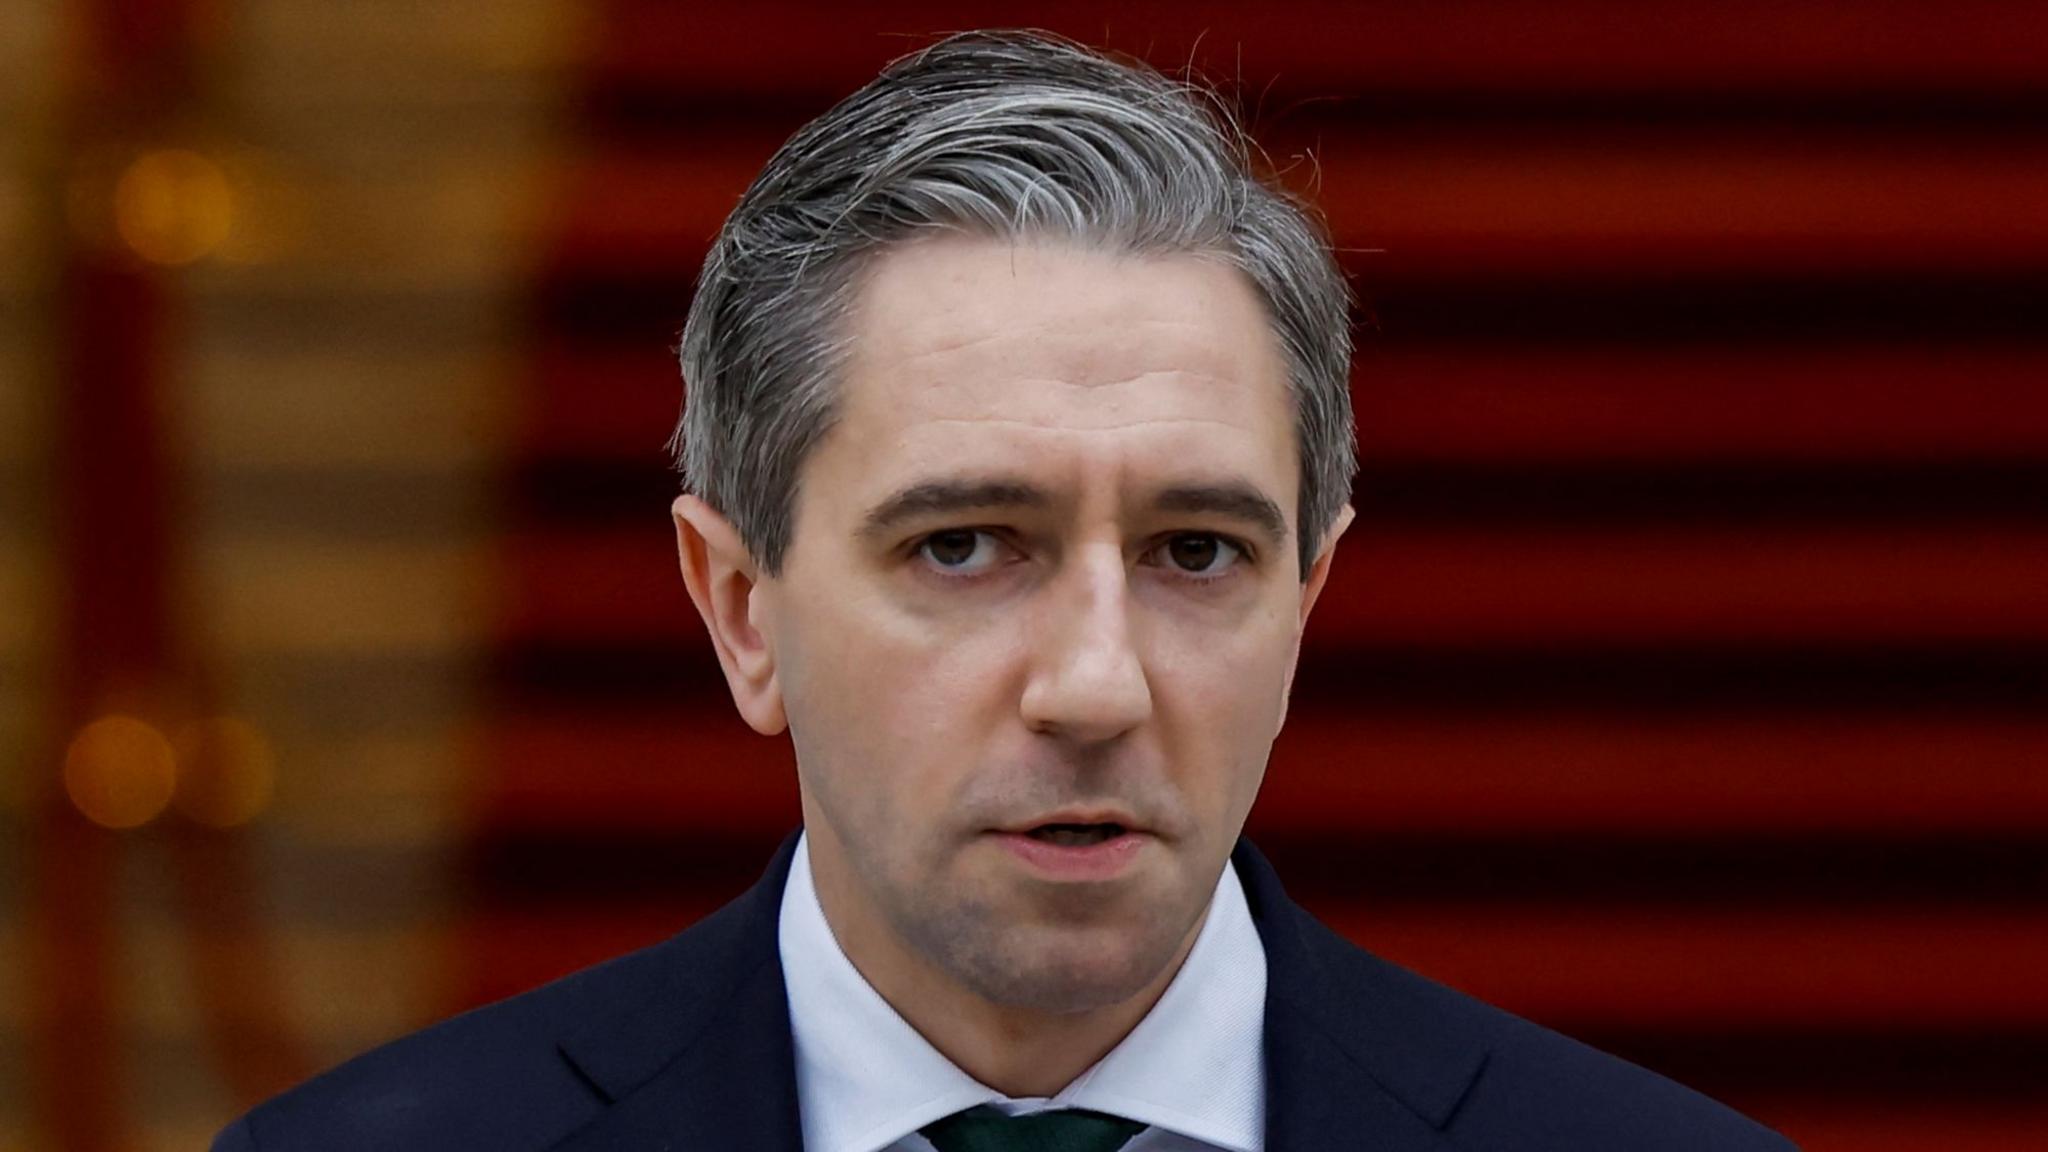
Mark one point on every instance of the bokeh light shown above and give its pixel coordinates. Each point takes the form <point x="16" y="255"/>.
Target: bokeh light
<point x="227" y="771"/>
<point x="120" y="772"/>
<point x="173" y="206"/>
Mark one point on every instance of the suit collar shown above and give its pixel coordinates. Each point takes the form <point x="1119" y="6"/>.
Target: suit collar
<point x="704" y="1050"/>
<point x="1355" y="1047"/>
<point x="1357" y="1050"/>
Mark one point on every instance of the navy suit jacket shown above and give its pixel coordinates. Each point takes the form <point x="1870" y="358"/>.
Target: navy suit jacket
<point x="685" y="1046"/>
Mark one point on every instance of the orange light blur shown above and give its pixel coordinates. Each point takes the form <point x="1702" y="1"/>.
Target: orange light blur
<point x="119" y="772"/>
<point x="173" y="206"/>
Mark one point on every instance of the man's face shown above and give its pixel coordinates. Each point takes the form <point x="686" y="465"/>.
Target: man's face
<point x="1043" y="571"/>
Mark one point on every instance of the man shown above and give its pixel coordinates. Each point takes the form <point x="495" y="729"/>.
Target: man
<point x="1017" y="449"/>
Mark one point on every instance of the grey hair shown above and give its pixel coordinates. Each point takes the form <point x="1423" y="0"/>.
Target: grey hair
<point x="1008" y="135"/>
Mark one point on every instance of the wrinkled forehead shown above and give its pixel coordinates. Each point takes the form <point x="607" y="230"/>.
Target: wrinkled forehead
<point x="975" y="352"/>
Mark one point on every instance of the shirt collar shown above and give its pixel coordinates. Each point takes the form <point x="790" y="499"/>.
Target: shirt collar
<point x="1194" y="1065"/>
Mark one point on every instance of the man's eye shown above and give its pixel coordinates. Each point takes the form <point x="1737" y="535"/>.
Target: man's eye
<point x="1201" y="553"/>
<point x="959" y="550"/>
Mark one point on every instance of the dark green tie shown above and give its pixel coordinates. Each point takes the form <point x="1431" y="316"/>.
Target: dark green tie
<point x="985" y="1129"/>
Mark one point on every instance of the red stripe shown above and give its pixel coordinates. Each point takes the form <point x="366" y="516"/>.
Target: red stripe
<point x="1471" y="203"/>
<point x="699" y="768"/>
<point x="117" y="643"/>
<point x="1490" y="46"/>
<point x="1595" y="968"/>
<point x="1885" y="1127"/>
<point x="1543" y="406"/>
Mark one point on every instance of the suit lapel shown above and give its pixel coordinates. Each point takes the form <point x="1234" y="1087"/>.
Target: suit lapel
<point x="703" y="1060"/>
<point x="1359" y="1054"/>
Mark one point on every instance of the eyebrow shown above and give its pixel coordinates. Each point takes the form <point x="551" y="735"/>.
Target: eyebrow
<point x="935" y="497"/>
<point x="1235" y="499"/>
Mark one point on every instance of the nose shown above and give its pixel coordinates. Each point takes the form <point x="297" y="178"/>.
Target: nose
<point x="1087" y="680"/>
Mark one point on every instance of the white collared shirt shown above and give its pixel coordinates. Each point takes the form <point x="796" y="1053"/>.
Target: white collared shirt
<point x="1193" y="1069"/>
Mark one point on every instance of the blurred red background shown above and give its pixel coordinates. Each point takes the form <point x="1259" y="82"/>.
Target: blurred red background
<point x="1681" y="685"/>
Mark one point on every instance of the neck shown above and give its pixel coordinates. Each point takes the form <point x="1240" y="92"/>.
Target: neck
<point x="1016" y="1051"/>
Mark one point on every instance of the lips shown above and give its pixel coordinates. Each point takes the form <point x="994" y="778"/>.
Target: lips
<point x="1075" y="845"/>
<point x="1095" y="823"/>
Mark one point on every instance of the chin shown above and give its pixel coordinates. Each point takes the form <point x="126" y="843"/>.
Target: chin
<point x="1065" y="971"/>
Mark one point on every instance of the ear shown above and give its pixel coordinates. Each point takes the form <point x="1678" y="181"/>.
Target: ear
<point x="1311" y="588"/>
<point x="1320" y="570"/>
<point x="720" y="573"/>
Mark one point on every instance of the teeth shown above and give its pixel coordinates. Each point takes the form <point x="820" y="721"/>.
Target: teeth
<point x="1075" y="838"/>
<point x="1072" y="836"/>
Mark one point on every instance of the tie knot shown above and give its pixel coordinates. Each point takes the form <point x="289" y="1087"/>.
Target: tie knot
<point x="986" y="1129"/>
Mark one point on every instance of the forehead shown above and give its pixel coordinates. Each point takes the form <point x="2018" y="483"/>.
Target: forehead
<point x="970" y="353"/>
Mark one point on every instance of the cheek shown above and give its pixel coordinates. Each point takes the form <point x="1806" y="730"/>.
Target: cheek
<point x="1223" y="688"/>
<point x="887" y="711"/>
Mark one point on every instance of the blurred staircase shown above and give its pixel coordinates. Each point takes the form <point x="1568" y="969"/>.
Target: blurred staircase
<point x="1682" y="684"/>
<point x="324" y="383"/>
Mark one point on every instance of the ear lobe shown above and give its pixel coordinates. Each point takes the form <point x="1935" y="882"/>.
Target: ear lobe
<point x="721" y="577"/>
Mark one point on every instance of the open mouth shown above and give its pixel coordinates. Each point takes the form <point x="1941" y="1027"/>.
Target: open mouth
<point x="1075" y="835"/>
<point x="1079" y="853"/>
